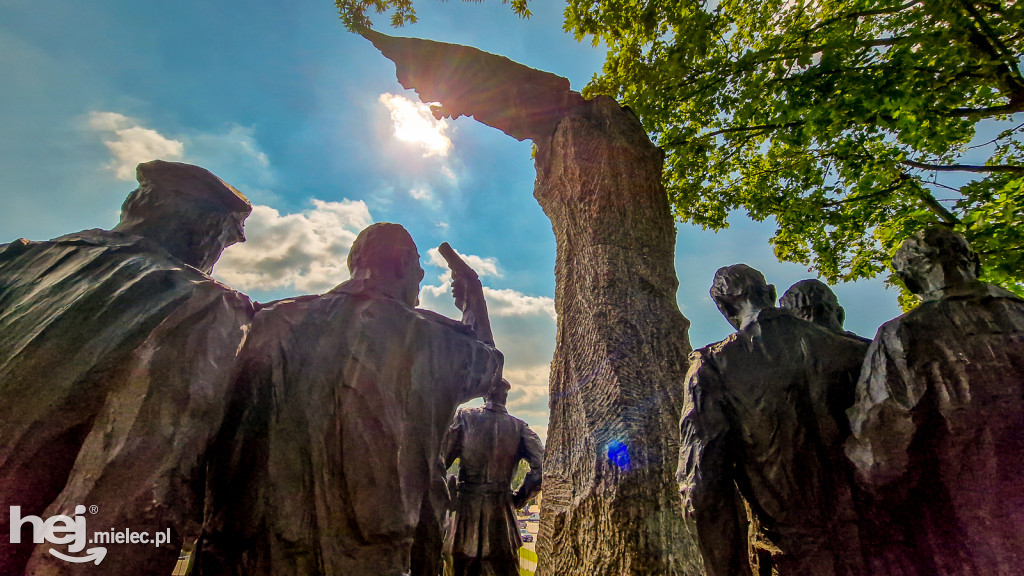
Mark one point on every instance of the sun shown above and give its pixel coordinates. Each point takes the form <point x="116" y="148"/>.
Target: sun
<point x="414" y="123"/>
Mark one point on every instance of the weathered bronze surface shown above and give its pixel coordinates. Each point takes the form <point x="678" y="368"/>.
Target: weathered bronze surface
<point x="938" y="424"/>
<point x="333" y="444"/>
<point x="489" y="443"/>
<point x="116" y="356"/>
<point x="763" y="421"/>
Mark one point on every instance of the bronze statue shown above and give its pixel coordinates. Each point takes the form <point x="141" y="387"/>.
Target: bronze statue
<point x="489" y="443"/>
<point x="759" y="422"/>
<point x="116" y="351"/>
<point x="938" y="423"/>
<point x="814" y="301"/>
<point x="331" y="457"/>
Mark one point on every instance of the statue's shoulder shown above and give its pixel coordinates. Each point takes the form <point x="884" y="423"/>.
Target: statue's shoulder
<point x="441" y="320"/>
<point x="472" y="414"/>
<point x="704" y="362"/>
<point x="778" y="323"/>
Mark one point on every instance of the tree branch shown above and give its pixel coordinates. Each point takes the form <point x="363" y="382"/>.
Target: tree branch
<point x="932" y="204"/>
<point x="850" y="199"/>
<point x="864" y="13"/>
<point x="761" y="128"/>
<point x="986" y="41"/>
<point x="1003" y="168"/>
<point x="1011" y="108"/>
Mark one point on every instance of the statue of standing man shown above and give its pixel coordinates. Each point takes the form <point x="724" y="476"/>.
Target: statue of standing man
<point x="117" y="352"/>
<point x="759" y="423"/>
<point x="938" y="423"/>
<point x="331" y="457"/>
<point x="489" y="442"/>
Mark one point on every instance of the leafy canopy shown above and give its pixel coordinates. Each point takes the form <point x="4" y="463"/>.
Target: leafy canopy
<point x="851" y="124"/>
<point x="353" y="13"/>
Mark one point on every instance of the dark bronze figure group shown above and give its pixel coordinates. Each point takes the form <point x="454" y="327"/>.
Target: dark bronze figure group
<point x="297" y="437"/>
<point x="311" y="435"/>
<point x="899" y="456"/>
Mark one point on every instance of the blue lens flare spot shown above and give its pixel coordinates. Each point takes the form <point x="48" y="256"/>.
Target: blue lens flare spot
<point x="618" y="453"/>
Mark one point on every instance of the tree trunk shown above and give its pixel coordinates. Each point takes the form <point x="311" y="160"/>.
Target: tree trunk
<point x="610" y="503"/>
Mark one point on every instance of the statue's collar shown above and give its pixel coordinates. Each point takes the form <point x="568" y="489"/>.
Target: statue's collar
<point x="973" y="289"/>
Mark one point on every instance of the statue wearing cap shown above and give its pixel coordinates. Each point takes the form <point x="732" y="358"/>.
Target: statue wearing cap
<point x="484" y="538"/>
<point x="116" y="352"/>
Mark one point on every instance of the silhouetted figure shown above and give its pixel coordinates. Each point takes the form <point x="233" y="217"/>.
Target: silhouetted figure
<point x="489" y="444"/>
<point x="938" y="424"/>
<point x="116" y="358"/>
<point x="758" y="421"/>
<point x="331" y="458"/>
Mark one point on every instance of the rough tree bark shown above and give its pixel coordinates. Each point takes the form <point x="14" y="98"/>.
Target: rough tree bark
<point x="610" y="504"/>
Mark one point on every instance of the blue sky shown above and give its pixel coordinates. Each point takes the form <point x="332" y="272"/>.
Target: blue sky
<point x="279" y="100"/>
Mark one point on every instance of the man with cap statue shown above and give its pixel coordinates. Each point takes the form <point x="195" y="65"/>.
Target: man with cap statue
<point x="757" y="423"/>
<point x="116" y="352"/>
<point x="489" y="443"/>
<point x="938" y="422"/>
<point x="346" y="397"/>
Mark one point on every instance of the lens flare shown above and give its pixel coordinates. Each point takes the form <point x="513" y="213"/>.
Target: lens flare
<point x="414" y="123"/>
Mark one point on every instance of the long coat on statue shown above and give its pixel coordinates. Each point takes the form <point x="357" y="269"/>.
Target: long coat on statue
<point x="333" y="445"/>
<point x="938" y="430"/>
<point x="763" y="418"/>
<point x="116" y="364"/>
<point x="489" y="443"/>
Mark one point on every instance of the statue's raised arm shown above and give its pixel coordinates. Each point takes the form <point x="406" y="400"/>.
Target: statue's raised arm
<point x="469" y="294"/>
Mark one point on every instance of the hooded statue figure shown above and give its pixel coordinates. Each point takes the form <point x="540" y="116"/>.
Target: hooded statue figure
<point x="116" y="357"/>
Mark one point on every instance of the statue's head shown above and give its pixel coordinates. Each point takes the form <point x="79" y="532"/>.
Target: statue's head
<point x="497" y="395"/>
<point x="935" y="259"/>
<point x="385" y="254"/>
<point x="815" y="302"/>
<point x="740" y="291"/>
<point x="185" y="209"/>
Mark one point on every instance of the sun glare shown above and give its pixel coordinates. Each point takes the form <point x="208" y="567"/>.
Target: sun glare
<point x="414" y="123"/>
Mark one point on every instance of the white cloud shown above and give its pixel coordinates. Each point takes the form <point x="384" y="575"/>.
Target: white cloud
<point x="109" y="121"/>
<point x="422" y="193"/>
<point x="413" y="122"/>
<point x="528" y="397"/>
<point x="305" y="251"/>
<point x="506" y="302"/>
<point x="233" y="153"/>
<point x="132" y="143"/>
